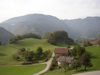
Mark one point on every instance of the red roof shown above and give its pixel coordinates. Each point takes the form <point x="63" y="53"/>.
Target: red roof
<point x="66" y="59"/>
<point x="94" y="42"/>
<point x="61" y="50"/>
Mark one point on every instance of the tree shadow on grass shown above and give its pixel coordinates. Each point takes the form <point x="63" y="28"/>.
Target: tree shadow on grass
<point x="92" y="55"/>
<point x="82" y="70"/>
<point x="1" y="54"/>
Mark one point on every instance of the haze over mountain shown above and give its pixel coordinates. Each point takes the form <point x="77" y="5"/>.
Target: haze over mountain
<point x="88" y="27"/>
<point x="35" y="23"/>
<point x="4" y="35"/>
<point x="41" y="24"/>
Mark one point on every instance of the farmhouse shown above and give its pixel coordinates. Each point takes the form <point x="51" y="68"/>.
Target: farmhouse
<point x="59" y="51"/>
<point x="62" y="59"/>
<point x="94" y="42"/>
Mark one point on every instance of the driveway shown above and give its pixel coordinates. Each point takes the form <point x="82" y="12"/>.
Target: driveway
<point x="89" y="73"/>
<point x="47" y="67"/>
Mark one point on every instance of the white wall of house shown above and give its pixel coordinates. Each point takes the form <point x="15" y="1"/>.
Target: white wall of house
<point x="59" y="63"/>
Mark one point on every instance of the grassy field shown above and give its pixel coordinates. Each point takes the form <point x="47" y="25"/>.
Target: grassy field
<point x="7" y="51"/>
<point x="21" y="70"/>
<point x="95" y="52"/>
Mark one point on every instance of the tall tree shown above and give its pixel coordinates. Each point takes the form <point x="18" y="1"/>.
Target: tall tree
<point x="60" y="35"/>
<point x="73" y="52"/>
<point x="30" y="56"/>
<point x="39" y="52"/>
<point x="76" y="64"/>
<point x="47" y="35"/>
<point x="0" y="43"/>
<point x="51" y="39"/>
<point x="79" y="51"/>
<point x="85" y="60"/>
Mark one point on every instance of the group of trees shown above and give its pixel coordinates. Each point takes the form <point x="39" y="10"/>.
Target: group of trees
<point x="82" y="57"/>
<point x="58" y="36"/>
<point x="28" y="55"/>
<point x="77" y="51"/>
<point x="87" y="43"/>
<point x="0" y="43"/>
<point x="14" y="39"/>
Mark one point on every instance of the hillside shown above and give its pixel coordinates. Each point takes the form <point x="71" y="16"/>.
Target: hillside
<point x="4" y="35"/>
<point x="7" y="51"/>
<point x="35" y="23"/>
<point x="40" y="24"/>
<point x="87" y="28"/>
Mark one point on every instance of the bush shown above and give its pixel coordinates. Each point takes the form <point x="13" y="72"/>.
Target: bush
<point x="14" y="39"/>
<point x="53" y="65"/>
<point x="16" y="57"/>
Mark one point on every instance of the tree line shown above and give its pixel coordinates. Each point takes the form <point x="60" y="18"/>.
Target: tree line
<point x="29" y="55"/>
<point x="14" y="39"/>
<point x="58" y="36"/>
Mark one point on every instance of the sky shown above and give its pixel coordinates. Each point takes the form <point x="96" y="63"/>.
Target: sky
<point x="62" y="9"/>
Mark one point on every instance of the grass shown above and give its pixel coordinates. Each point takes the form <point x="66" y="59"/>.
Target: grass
<point x="21" y="70"/>
<point x="95" y="60"/>
<point x="7" y="51"/>
<point x="95" y="52"/>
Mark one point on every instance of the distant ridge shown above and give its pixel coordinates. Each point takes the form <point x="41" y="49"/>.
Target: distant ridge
<point x="35" y="23"/>
<point x="87" y="27"/>
<point x="4" y="35"/>
<point x="40" y="24"/>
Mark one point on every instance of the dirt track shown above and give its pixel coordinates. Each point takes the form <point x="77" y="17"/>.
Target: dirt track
<point x="47" y="67"/>
<point x="89" y="73"/>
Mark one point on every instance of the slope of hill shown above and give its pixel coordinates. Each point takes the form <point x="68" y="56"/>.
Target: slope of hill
<point x="4" y="35"/>
<point x="87" y="27"/>
<point x="36" y="23"/>
<point x="40" y="24"/>
<point x="7" y="51"/>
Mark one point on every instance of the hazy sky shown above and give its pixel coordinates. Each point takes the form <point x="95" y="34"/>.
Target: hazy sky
<point x="63" y="9"/>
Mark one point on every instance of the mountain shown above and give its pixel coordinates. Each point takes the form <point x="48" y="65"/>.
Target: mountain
<point x="40" y="24"/>
<point x="4" y="35"/>
<point x="87" y="28"/>
<point x="35" y="23"/>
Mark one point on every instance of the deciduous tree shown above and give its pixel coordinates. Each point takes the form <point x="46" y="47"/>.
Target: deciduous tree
<point x="76" y="64"/>
<point x="85" y="60"/>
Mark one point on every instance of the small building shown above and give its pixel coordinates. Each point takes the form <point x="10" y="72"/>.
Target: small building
<point x="59" y="51"/>
<point x="62" y="59"/>
<point x="94" y="43"/>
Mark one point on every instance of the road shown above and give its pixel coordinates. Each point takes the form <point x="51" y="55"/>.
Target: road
<point x="89" y="73"/>
<point x="47" y="67"/>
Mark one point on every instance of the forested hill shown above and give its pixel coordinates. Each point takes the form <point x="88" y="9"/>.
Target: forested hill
<point x="87" y="27"/>
<point x="35" y="23"/>
<point x="40" y="24"/>
<point x="4" y="35"/>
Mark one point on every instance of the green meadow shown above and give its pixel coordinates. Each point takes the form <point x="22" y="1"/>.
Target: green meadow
<point x="7" y="51"/>
<point x="6" y="57"/>
<point x="21" y="70"/>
